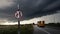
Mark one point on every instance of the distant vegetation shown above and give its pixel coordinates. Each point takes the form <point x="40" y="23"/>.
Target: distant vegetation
<point x="25" y="29"/>
<point x="54" y="24"/>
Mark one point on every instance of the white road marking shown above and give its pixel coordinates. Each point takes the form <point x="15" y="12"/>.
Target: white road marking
<point x="42" y="29"/>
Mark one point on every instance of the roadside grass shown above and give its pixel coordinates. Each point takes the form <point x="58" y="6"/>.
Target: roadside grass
<point x="13" y="29"/>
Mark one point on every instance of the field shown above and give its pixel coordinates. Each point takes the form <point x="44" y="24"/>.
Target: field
<point x="13" y="29"/>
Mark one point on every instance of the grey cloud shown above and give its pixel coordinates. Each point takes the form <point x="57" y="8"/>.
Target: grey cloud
<point x="54" y="5"/>
<point x="32" y="8"/>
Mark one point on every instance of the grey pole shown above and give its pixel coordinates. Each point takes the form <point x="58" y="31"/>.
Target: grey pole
<point x="18" y="19"/>
<point x="18" y="26"/>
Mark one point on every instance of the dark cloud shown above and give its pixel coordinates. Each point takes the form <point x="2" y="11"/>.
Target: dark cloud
<point x="32" y="8"/>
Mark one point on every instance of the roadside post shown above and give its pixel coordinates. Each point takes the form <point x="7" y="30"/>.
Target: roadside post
<point x="18" y="15"/>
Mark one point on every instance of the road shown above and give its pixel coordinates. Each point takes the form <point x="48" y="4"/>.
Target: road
<point x="46" y="30"/>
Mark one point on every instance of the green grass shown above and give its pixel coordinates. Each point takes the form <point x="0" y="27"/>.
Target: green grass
<point x="25" y="29"/>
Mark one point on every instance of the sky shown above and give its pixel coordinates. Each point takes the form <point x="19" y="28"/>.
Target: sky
<point x="33" y="11"/>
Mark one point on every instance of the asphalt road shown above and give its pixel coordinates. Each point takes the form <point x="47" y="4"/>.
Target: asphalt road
<point x="45" y="30"/>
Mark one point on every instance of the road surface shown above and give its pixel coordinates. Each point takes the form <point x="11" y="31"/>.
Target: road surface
<point x="46" y="30"/>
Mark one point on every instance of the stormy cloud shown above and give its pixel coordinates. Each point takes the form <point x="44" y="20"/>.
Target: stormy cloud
<point x="30" y="8"/>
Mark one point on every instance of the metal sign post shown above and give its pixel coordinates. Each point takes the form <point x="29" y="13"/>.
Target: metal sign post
<point x="18" y="15"/>
<point x="18" y="26"/>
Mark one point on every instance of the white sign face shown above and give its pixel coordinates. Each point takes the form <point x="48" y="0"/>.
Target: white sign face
<point x="18" y="14"/>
